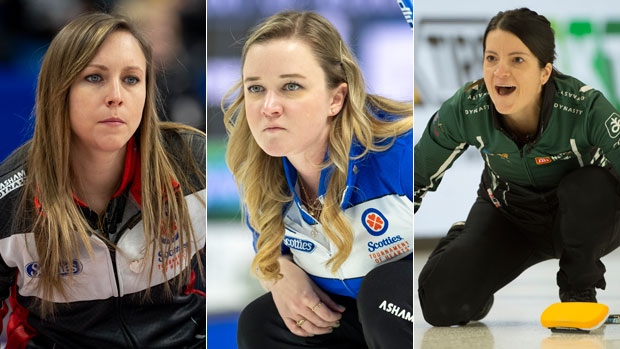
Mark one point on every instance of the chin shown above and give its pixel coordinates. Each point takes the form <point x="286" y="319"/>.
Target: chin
<point x="503" y="109"/>
<point x="272" y="149"/>
<point x="112" y="145"/>
<point x="274" y="153"/>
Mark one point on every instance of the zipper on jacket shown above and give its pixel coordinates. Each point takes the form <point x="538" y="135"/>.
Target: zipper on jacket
<point x="525" y="165"/>
<point x="118" y="305"/>
<point x="131" y="222"/>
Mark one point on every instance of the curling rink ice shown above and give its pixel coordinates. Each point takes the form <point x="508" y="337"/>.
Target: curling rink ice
<point x="229" y="283"/>
<point x="514" y="320"/>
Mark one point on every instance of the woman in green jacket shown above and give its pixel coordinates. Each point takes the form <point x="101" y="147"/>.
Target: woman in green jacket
<point x="549" y="188"/>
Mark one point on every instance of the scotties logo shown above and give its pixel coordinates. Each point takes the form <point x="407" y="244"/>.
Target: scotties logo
<point x="374" y="221"/>
<point x="165" y="239"/>
<point x="33" y="270"/>
<point x="298" y="244"/>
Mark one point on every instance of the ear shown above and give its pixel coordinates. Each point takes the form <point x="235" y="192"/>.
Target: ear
<point x="546" y="73"/>
<point x="339" y="95"/>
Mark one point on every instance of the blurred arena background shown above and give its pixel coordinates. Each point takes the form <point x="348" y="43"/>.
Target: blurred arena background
<point x="176" y="29"/>
<point x="448" y="53"/>
<point x="383" y="43"/>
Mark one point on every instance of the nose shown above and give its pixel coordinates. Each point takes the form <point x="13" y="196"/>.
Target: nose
<point x="114" y="95"/>
<point x="271" y="105"/>
<point x="501" y="70"/>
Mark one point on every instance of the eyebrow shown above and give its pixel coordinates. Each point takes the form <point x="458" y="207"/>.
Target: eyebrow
<point x="510" y="54"/>
<point x="103" y="67"/>
<point x="283" y="76"/>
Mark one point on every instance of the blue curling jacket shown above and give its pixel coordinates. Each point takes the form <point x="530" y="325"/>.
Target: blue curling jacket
<point x="378" y="201"/>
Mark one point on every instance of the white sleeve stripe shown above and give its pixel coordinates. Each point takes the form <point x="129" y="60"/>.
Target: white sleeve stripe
<point x="443" y="167"/>
<point x="573" y="146"/>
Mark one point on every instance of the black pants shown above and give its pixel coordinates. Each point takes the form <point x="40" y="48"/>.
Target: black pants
<point x="496" y="245"/>
<point x="381" y="317"/>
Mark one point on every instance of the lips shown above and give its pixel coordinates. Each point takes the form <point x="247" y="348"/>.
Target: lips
<point x="273" y="128"/>
<point x="113" y="121"/>
<point x="505" y="90"/>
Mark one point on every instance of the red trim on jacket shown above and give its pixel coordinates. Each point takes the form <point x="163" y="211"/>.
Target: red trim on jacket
<point x="189" y="288"/>
<point x="18" y="331"/>
<point x="131" y="171"/>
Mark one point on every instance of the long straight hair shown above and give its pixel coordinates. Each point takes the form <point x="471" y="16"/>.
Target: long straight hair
<point x="58" y="226"/>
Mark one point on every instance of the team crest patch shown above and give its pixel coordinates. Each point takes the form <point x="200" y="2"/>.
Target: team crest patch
<point x="374" y="221"/>
<point x="613" y="125"/>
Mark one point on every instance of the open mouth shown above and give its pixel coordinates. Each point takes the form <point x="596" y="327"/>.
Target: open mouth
<point x="505" y="90"/>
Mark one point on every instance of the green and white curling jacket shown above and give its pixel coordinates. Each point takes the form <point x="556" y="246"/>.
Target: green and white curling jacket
<point x="578" y="127"/>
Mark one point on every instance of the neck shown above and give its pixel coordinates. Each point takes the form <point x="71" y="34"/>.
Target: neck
<point x="96" y="176"/>
<point x="310" y="182"/>
<point x="309" y="196"/>
<point x="308" y="168"/>
<point x="523" y="124"/>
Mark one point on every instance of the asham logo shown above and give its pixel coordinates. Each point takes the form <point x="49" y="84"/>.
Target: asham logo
<point x="298" y="244"/>
<point x="33" y="270"/>
<point x="12" y="183"/>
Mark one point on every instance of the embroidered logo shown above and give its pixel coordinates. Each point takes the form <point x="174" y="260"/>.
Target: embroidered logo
<point x="298" y="244"/>
<point x="12" y="183"/>
<point x="501" y="155"/>
<point x="374" y="221"/>
<point x="32" y="269"/>
<point x="167" y="239"/>
<point x="543" y="160"/>
<point x="613" y="125"/>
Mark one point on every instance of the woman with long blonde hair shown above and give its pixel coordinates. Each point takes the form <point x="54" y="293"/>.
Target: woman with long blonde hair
<point x="102" y="214"/>
<point x="325" y="176"/>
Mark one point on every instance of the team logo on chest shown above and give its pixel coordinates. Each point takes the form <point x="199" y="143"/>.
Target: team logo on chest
<point x="33" y="269"/>
<point x="374" y="221"/>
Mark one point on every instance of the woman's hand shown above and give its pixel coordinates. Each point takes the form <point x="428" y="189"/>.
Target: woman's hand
<point x="304" y="307"/>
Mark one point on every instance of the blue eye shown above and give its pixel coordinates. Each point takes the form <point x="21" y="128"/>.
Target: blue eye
<point x="132" y="80"/>
<point x="292" y="86"/>
<point x="93" y="78"/>
<point x="255" y="88"/>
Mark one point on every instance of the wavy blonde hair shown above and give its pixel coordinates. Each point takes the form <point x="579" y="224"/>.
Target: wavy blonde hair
<point x="260" y="178"/>
<point x="60" y="229"/>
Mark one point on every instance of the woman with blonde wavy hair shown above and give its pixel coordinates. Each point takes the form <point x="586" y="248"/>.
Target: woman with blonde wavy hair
<point x="102" y="214"/>
<point x="325" y="176"/>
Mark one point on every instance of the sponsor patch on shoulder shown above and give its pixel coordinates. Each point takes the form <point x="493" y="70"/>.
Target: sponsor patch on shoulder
<point x="613" y="125"/>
